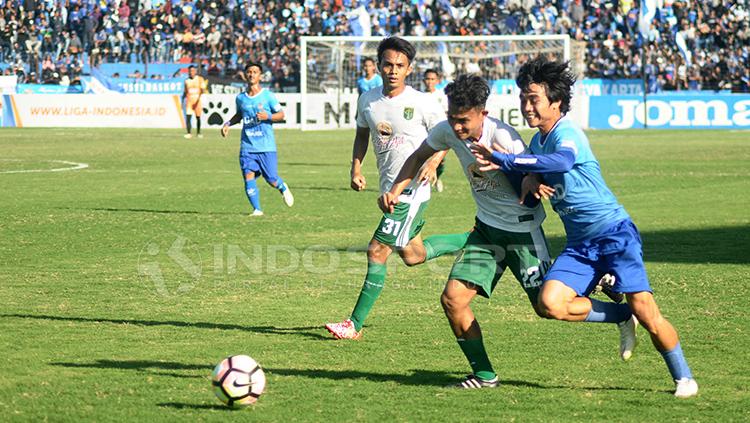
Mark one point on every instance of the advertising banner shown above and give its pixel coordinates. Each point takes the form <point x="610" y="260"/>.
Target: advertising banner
<point x="114" y="110"/>
<point x="149" y="86"/>
<point x="703" y="111"/>
<point x="8" y="84"/>
<point x="590" y="87"/>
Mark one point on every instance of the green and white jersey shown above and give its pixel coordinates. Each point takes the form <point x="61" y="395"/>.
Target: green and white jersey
<point x="440" y="97"/>
<point x="497" y="201"/>
<point x="398" y="126"/>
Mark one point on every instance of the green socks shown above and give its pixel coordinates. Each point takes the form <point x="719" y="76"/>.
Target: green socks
<point x="370" y="292"/>
<point x="438" y="245"/>
<point x="474" y="351"/>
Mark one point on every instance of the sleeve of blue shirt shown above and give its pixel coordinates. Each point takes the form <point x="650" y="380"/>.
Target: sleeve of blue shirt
<point x="274" y="104"/>
<point x="558" y="162"/>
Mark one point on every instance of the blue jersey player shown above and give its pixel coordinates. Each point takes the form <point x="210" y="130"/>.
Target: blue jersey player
<point x="257" y="109"/>
<point x="601" y="237"/>
<point x="370" y="79"/>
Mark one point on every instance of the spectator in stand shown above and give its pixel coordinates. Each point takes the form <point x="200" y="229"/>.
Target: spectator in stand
<point x="716" y="34"/>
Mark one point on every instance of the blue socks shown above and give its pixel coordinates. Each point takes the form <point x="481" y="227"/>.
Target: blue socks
<point x="606" y="312"/>
<point x="676" y="363"/>
<point x="251" y="189"/>
<point x="280" y="185"/>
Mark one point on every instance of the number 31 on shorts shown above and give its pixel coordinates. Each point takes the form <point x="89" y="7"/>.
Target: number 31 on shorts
<point x="390" y="227"/>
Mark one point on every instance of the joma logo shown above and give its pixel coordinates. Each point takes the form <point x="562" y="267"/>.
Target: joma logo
<point x="681" y="113"/>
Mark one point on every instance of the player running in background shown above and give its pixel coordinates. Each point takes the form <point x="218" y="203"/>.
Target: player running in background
<point x="195" y="86"/>
<point x="397" y="118"/>
<point x="431" y="79"/>
<point x="601" y="237"/>
<point x="258" y="108"/>
<point x="371" y="79"/>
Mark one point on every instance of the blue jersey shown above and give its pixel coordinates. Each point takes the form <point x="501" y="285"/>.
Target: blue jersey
<point x="257" y="136"/>
<point x="583" y="200"/>
<point x="363" y="85"/>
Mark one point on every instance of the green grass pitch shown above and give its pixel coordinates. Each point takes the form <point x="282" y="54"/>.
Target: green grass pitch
<point x="124" y="283"/>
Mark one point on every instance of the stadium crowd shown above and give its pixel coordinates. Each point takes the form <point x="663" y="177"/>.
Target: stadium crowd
<point x="48" y="41"/>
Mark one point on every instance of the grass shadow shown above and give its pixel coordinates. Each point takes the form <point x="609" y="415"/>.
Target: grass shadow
<point x="724" y="245"/>
<point x="183" y="406"/>
<point x="312" y="332"/>
<point x="160" y="368"/>
<point x="419" y="377"/>
<point x="154" y="211"/>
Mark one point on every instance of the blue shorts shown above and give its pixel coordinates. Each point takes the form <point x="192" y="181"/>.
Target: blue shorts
<point x="264" y="164"/>
<point x="617" y="251"/>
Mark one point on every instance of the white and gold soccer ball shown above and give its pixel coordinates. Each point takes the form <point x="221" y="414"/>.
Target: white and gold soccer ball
<point x="238" y="381"/>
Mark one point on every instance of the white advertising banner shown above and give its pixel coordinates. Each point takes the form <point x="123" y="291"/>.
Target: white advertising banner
<point x="8" y="84"/>
<point x="323" y="111"/>
<point x="93" y="110"/>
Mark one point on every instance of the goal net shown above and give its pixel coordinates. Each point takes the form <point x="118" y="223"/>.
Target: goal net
<point x="330" y="67"/>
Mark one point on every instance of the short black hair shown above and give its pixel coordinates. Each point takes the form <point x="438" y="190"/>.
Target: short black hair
<point x="468" y="91"/>
<point x="431" y="70"/>
<point x="368" y="59"/>
<point x="398" y="44"/>
<point x="191" y="67"/>
<point x="555" y="76"/>
<point x="251" y="64"/>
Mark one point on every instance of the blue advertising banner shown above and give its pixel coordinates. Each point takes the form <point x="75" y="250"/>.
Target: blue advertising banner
<point x="48" y="89"/>
<point x="150" y="86"/>
<point x="590" y="87"/>
<point x="697" y="111"/>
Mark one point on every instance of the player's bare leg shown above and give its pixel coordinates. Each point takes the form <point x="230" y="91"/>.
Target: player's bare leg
<point x="414" y="253"/>
<point x="665" y="339"/>
<point x="559" y="301"/>
<point x="456" y="300"/>
<point x="377" y="255"/>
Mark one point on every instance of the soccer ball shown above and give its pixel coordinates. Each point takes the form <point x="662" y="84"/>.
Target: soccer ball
<point x="238" y="381"/>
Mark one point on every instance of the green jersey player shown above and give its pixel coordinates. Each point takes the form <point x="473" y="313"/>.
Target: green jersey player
<point x="507" y="234"/>
<point x="397" y="119"/>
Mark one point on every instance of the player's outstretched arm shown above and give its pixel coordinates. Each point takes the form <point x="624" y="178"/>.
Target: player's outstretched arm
<point x="428" y="172"/>
<point x="361" y="142"/>
<point x="234" y="120"/>
<point x="411" y="166"/>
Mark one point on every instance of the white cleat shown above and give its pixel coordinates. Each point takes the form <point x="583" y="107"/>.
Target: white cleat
<point x="200" y="135"/>
<point x="628" y="340"/>
<point x="288" y="197"/>
<point x="685" y="388"/>
<point x="439" y="185"/>
<point x="187" y="136"/>
<point x="256" y="212"/>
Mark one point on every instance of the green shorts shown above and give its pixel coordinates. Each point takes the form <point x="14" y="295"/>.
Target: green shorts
<point x="398" y="228"/>
<point x="489" y="251"/>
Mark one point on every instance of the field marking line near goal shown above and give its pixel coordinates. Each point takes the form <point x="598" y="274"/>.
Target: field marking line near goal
<point x="73" y="166"/>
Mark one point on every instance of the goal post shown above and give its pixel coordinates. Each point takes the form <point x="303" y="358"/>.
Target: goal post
<point x="331" y="65"/>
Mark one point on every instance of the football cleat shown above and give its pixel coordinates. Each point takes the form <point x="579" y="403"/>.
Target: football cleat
<point x="200" y="135"/>
<point x="256" y="212"/>
<point x="606" y="285"/>
<point x="439" y="185"/>
<point x="628" y="340"/>
<point x="288" y="197"/>
<point x="343" y="330"/>
<point x="187" y="136"/>
<point x="685" y="388"/>
<point x="473" y="382"/>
